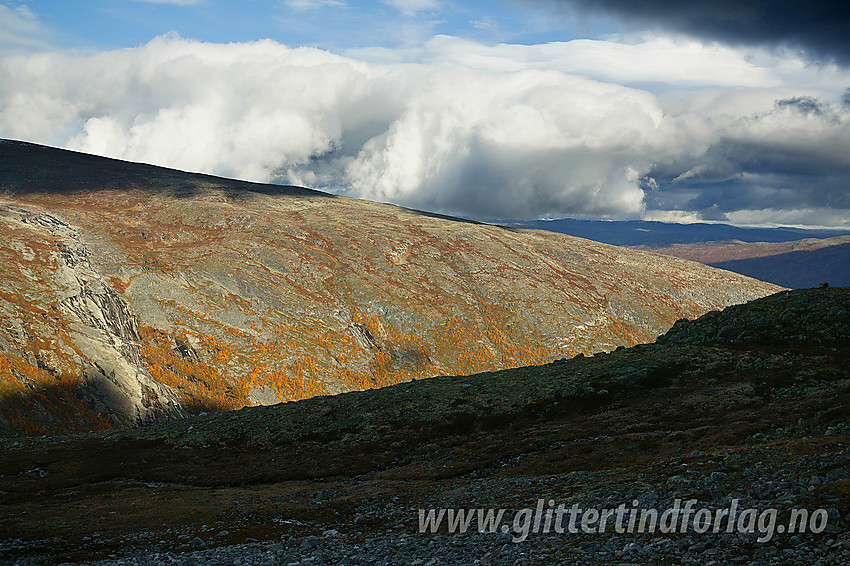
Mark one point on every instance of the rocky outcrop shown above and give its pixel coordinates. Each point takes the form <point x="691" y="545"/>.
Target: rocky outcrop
<point x="92" y="322"/>
<point x="798" y="319"/>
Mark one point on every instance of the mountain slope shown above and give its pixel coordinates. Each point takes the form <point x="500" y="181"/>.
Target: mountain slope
<point x="733" y="250"/>
<point x="135" y="291"/>
<point x="797" y="269"/>
<point x="654" y="234"/>
<point x="791" y="257"/>
<point x="750" y="405"/>
<point x="796" y="264"/>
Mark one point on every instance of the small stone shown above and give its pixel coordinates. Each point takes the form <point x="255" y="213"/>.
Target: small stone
<point x="676" y="480"/>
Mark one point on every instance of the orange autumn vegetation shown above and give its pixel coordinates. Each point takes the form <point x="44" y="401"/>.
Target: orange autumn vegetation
<point x="28" y="392"/>
<point x="218" y="373"/>
<point x="396" y="357"/>
<point x="199" y="383"/>
<point x="514" y="351"/>
<point x="298" y="379"/>
<point x="624" y="333"/>
<point x="487" y="345"/>
<point x="118" y="284"/>
<point x="295" y="362"/>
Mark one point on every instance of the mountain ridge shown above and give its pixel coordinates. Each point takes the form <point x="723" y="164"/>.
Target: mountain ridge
<point x="653" y="234"/>
<point x="240" y="296"/>
<point x="790" y="257"/>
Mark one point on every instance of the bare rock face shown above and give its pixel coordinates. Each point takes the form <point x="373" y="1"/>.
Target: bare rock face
<point x="132" y="291"/>
<point x="91" y="332"/>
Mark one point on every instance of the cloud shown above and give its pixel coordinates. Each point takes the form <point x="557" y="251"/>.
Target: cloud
<point x="802" y="218"/>
<point x="484" y="23"/>
<point x="804" y="104"/>
<point x="20" y="29"/>
<point x="488" y="132"/>
<point x="655" y="59"/>
<point x="654" y="62"/>
<point x="525" y="144"/>
<point x="174" y="2"/>
<point x="759" y="147"/>
<point x="306" y="5"/>
<point x="821" y="28"/>
<point x="413" y="7"/>
<point x="677" y="216"/>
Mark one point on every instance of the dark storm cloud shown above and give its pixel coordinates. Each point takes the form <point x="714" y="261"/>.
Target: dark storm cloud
<point x="752" y="174"/>
<point x="791" y="158"/>
<point x="820" y="28"/>
<point x="784" y="191"/>
<point x="804" y="104"/>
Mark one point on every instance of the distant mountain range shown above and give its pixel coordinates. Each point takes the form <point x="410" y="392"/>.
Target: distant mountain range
<point x="796" y="264"/>
<point x="791" y="257"/>
<point x="659" y="234"/>
<point x="130" y="292"/>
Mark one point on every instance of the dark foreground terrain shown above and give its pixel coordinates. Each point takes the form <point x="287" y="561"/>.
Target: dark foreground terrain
<point x="748" y="404"/>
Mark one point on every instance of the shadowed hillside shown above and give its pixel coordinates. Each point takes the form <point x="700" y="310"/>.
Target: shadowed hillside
<point x="750" y="404"/>
<point x="797" y="269"/>
<point x="653" y="234"/>
<point x="796" y="264"/>
<point x="791" y="257"/>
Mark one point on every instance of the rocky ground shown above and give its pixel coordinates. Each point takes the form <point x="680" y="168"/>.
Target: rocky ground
<point x="750" y="404"/>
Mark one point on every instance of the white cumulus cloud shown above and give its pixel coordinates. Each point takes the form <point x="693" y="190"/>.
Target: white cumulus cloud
<point x="487" y="131"/>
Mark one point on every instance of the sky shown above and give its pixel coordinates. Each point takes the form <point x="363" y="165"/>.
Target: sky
<point x="733" y="111"/>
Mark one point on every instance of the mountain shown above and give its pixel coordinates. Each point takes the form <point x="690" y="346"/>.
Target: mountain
<point x="130" y="293"/>
<point x="653" y="234"/>
<point x="797" y="269"/>
<point x="790" y="257"/>
<point x="743" y="408"/>
<point x="796" y="264"/>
